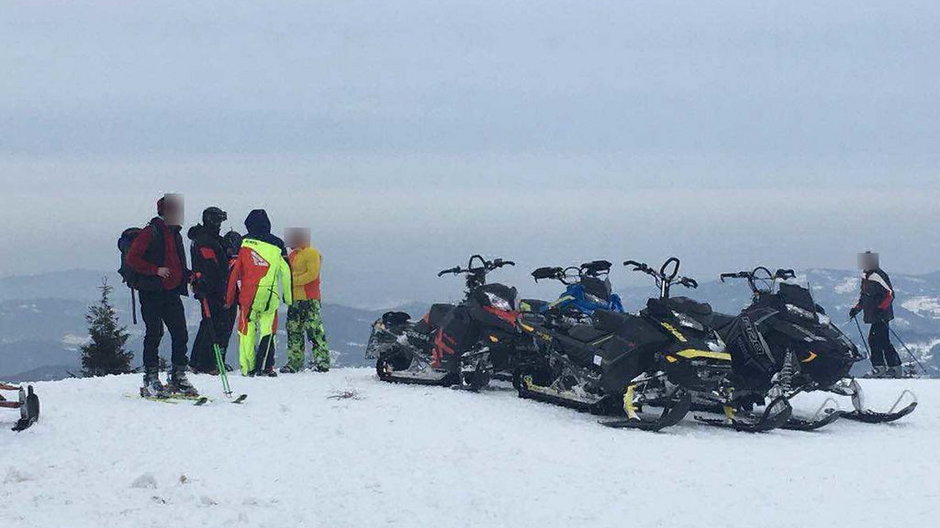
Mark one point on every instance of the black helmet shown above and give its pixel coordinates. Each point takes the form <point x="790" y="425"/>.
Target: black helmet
<point x="233" y="242"/>
<point x="213" y="216"/>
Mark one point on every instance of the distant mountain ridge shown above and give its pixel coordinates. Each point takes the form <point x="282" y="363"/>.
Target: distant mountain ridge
<point x="42" y="320"/>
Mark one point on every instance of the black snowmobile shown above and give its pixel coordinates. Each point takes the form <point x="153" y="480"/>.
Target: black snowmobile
<point x="785" y="334"/>
<point x="463" y="345"/>
<point x="623" y="363"/>
<point x="27" y="403"/>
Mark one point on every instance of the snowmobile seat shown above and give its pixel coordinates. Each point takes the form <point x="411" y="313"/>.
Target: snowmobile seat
<point x="586" y="333"/>
<point x="609" y="321"/>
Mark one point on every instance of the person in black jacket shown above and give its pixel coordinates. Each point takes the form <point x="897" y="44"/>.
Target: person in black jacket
<point x="877" y="304"/>
<point x="157" y="255"/>
<point x="210" y="263"/>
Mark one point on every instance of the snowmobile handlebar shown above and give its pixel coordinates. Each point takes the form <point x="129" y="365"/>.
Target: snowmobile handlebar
<point x="665" y="273"/>
<point x="485" y="266"/>
<point x="595" y="268"/>
<point x="755" y="274"/>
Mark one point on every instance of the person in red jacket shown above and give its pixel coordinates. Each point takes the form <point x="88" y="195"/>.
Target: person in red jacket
<point x="877" y="304"/>
<point x="157" y="255"/>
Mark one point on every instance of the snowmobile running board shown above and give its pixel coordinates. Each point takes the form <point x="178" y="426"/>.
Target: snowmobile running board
<point x="669" y="417"/>
<point x="444" y="380"/>
<point x="768" y="421"/>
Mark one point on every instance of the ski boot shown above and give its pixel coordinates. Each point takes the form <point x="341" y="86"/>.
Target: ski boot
<point x="895" y="372"/>
<point x="287" y="369"/>
<point x="152" y="387"/>
<point x="876" y="373"/>
<point x="270" y="373"/>
<point x="179" y="384"/>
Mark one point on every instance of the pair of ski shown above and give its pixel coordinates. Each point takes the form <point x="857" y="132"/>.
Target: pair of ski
<point x="196" y="400"/>
<point x="776" y="415"/>
<point x="199" y="401"/>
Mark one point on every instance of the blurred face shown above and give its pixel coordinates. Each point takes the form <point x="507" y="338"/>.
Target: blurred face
<point x="868" y="261"/>
<point x="173" y="210"/>
<point x="297" y="237"/>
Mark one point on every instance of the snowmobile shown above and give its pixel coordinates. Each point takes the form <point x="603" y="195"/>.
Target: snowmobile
<point x="463" y="345"/>
<point x="785" y="331"/>
<point x="28" y="404"/>
<point x="587" y="289"/>
<point x="624" y="363"/>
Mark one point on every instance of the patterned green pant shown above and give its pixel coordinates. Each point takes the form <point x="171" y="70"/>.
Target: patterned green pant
<point x="304" y="320"/>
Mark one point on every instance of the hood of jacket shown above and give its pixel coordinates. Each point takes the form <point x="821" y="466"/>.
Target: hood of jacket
<point x="258" y="224"/>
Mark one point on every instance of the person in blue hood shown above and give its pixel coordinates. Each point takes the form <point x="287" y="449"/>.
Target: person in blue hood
<point x="259" y="228"/>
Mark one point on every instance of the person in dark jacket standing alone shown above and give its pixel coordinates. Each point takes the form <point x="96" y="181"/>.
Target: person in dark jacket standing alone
<point x="877" y="304"/>
<point x="158" y="256"/>
<point x="210" y="265"/>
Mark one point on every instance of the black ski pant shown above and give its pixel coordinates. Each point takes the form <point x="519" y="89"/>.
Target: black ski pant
<point x="159" y="309"/>
<point x="882" y="351"/>
<point x="221" y="325"/>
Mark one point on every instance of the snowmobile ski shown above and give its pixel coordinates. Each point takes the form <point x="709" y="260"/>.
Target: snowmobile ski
<point x="865" y="415"/>
<point x="873" y="417"/>
<point x="772" y="418"/>
<point x="827" y="414"/>
<point x="670" y="416"/>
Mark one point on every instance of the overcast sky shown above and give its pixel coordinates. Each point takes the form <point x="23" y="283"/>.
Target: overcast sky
<point x="409" y="135"/>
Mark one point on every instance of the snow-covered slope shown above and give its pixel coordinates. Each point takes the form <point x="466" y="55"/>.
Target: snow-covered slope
<point x="416" y="457"/>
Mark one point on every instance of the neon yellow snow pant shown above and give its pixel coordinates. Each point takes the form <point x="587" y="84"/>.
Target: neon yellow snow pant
<point x="252" y="354"/>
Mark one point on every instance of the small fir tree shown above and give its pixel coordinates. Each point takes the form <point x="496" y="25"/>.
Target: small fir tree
<point x="105" y="353"/>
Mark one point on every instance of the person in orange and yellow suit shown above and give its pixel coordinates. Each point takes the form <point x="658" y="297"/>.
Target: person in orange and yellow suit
<point x="261" y="277"/>
<point x="304" y="317"/>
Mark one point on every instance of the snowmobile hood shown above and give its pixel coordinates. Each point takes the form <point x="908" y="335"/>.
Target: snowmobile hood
<point x="258" y="224"/>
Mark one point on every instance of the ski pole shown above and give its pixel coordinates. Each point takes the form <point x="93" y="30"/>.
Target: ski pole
<point x="919" y="364"/>
<point x="862" y="336"/>
<point x="220" y="363"/>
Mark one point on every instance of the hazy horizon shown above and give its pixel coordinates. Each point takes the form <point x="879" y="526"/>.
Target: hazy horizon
<point x="410" y="136"/>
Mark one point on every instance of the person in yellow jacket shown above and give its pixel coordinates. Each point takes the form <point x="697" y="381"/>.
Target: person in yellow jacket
<point x="304" y="318"/>
<point x="260" y="268"/>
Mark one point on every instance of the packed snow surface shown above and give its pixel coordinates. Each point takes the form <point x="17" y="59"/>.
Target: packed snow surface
<point x="345" y="450"/>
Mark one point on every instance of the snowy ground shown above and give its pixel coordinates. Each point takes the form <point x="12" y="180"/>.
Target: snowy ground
<point x="421" y="457"/>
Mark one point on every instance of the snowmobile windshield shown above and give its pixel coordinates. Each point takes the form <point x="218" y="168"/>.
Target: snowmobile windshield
<point x="499" y="296"/>
<point x="597" y="288"/>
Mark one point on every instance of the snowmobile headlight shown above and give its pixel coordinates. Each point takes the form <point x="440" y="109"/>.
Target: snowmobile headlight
<point x="805" y="314"/>
<point x="688" y="322"/>
<point x="498" y="302"/>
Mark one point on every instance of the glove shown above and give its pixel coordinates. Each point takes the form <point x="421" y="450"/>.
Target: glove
<point x="854" y="312"/>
